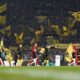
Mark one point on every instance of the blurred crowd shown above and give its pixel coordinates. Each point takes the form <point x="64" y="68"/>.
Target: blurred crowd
<point x="31" y="56"/>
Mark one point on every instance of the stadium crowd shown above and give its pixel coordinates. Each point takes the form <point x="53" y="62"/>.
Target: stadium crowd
<point x="45" y="23"/>
<point x="34" y="56"/>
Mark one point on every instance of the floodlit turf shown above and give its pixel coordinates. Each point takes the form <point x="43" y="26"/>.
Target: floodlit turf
<point x="39" y="73"/>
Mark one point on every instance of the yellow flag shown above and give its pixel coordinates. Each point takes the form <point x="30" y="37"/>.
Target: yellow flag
<point x="42" y="50"/>
<point x="7" y="28"/>
<point x="3" y="8"/>
<point x="64" y="28"/>
<point x="70" y="49"/>
<point x="76" y="15"/>
<point x="68" y="55"/>
<point x="19" y="38"/>
<point x="65" y="31"/>
<point x="2" y="19"/>
<point x="2" y="43"/>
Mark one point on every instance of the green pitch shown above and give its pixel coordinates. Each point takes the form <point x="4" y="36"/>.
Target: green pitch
<point x="39" y="73"/>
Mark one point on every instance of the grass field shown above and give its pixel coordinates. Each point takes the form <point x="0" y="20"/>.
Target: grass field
<point x="39" y="73"/>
